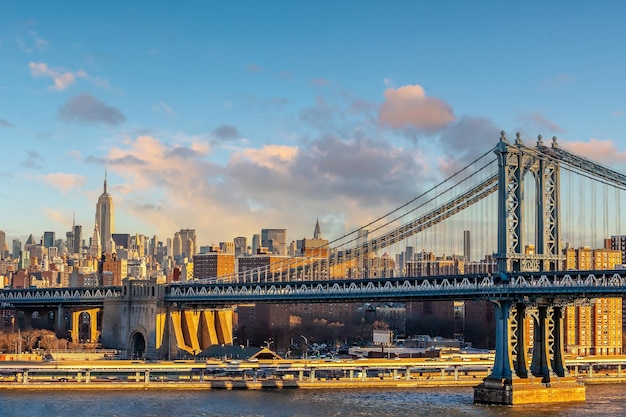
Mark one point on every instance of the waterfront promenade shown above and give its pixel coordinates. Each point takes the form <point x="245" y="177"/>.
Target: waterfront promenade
<point x="276" y="374"/>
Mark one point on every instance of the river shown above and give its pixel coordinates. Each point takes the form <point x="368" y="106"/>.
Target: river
<point x="602" y="400"/>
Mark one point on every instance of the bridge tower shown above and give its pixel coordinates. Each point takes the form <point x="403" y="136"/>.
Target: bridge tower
<point x="514" y="163"/>
<point x="512" y="380"/>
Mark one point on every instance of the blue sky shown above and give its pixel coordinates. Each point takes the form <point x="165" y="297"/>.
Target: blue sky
<point x="229" y="118"/>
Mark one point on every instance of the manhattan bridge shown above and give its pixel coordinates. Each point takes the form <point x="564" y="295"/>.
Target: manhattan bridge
<point x="522" y="206"/>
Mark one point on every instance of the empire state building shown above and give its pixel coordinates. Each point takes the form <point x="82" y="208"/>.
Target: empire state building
<point x="105" y="218"/>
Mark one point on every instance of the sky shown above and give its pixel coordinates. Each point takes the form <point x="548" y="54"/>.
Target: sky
<point x="230" y="117"/>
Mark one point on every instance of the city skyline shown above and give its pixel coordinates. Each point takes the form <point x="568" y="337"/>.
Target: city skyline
<point x="228" y="120"/>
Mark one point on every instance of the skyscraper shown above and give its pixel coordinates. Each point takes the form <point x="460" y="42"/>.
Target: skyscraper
<point x="3" y="243"/>
<point x="78" y="238"/>
<point x="17" y="248"/>
<point x="48" y="239"/>
<point x="256" y="243"/>
<point x="241" y="244"/>
<point x="188" y="242"/>
<point x="275" y="240"/>
<point x="177" y="244"/>
<point x="94" y="248"/>
<point x="105" y="217"/>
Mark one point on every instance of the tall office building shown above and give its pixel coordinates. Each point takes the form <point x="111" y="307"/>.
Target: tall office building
<point x="78" y="238"/>
<point x="48" y="239"/>
<point x="188" y="242"/>
<point x="3" y="243"/>
<point x="177" y="246"/>
<point x="105" y="217"/>
<point x="256" y="243"/>
<point x="241" y="246"/>
<point x="275" y="240"/>
<point x="17" y="248"/>
<point x="94" y="248"/>
<point x="467" y="247"/>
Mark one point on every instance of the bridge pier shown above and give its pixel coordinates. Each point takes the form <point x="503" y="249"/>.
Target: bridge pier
<point x="92" y="333"/>
<point x="509" y="382"/>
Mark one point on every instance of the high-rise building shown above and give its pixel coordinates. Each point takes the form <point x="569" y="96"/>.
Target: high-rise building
<point x="117" y="267"/>
<point x="241" y="244"/>
<point x="275" y="240"/>
<point x="121" y="240"/>
<point x="94" y="248"/>
<point x="48" y="239"/>
<point x="69" y="237"/>
<point x="188" y="242"/>
<point x="177" y="246"/>
<point x="595" y="328"/>
<point x="105" y="217"/>
<point x="467" y="247"/>
<point x="3" y="244"/>
<point x="213" y="264"/>
<point x="17" y="248"/>
<point x="619" y="243"/>
<point x="78" y="238"/>
<point x="256" y="243"/>
<point x="227" y="247"/>
<point x="316" y="247"/>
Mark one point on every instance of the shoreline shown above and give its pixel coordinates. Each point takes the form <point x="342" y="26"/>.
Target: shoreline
<point x="261" y="385"/>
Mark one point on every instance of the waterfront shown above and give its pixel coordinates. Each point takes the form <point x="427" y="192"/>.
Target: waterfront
<point x="602" y="400"/>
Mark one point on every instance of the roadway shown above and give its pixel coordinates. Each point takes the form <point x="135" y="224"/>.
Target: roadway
<point x="451" y="370"/>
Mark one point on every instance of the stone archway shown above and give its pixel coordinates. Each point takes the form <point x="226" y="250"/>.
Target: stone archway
<point x="137" y="345"/>
<point x="84" y="328"/>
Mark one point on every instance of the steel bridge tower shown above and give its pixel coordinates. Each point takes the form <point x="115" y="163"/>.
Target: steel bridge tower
<point x="512" y="380"/>
<point x="515" y="162"/>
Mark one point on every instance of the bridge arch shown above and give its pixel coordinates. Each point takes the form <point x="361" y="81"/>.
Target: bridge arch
<point x="138" y="344"/>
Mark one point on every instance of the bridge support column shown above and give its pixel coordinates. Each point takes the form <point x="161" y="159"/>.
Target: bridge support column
<point x="521" y="357"/>
<point x="502" y="365"/>
<point x="75" y="324"/>
<point x="540" y="366"/>
<point x="510" y="385"/>
<point x="60" y="328"/>
<point x="558" y="361"/>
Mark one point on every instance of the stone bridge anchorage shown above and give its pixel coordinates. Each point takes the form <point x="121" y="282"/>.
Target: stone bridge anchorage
<point x="142" y="322"/>
<point x="135" y="318"/>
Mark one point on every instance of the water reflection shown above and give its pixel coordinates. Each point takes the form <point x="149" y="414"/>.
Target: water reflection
<point x="605" y="400"/>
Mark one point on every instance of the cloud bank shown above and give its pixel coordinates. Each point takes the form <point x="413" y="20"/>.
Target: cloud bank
<point x="409" y="107"/>
<point x="85" y="108"/>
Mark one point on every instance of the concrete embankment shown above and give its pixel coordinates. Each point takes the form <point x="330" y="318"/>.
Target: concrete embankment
<point x="231" y="385"/>
<point x="264" y="385"/>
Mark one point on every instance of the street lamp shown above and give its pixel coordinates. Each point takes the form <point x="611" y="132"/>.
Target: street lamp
<point x="268" y="343"/>
<point x="306" y="346"/>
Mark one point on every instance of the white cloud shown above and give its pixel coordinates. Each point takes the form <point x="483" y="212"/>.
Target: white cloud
<point x="409" y="107"/>
<point x="599" y="150"/>
<point x="162" y="107"/>
<point x="168" y="186"/>
<point x="62" y="79"/>
<point x="64" y="182"/>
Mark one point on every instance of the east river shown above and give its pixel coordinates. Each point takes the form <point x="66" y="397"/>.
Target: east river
<point x="602" y="400"/>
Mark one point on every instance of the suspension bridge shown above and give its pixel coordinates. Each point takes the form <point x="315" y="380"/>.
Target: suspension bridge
<point x="508" y="200"/>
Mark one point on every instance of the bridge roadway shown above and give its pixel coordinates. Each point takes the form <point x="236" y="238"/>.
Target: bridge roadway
<point x="527" y="286"/>
<point x="345" y="373"/>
